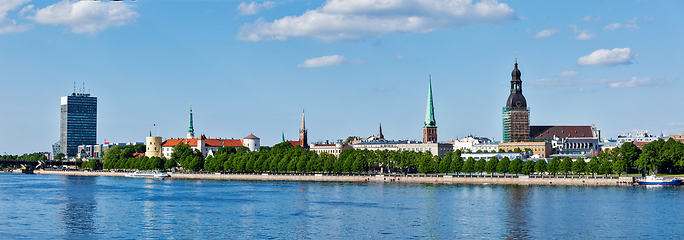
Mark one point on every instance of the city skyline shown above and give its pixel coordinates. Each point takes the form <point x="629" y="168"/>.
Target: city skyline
<point x="614" y="65"/>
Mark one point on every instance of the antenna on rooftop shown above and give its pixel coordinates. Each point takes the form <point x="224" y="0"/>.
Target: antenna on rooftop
<point x="74" y="87"/>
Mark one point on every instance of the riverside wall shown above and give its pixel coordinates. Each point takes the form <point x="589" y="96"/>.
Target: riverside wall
<point x="442" y="179"/>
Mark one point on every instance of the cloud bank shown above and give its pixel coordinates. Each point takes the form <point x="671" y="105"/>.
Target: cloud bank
<point x="323" y="61"/>
<point x="605" y="57"/>
<point x="86" y="16"/>
<point x="339" y="20"/>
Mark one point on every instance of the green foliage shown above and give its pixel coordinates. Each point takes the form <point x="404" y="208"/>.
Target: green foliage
<point x="594" y="165"/>
<point x="554" y="166"/>
<point x="456" y="164"/>
<point x="606" y="167"/>
<point x="566" y="165"/>
<point x="516" y="166"/>
<point x="468" y="166"/>
<point x="480" y="166"/>
<point x="490" y="167"/>
<point x="619" y="166"/>
<point x="579" y="166"/>
<point x="528" y="168"/>
<point x="540" y="166"/>
<point x="445" y="164"/>
<point x="503" y="165"/>
<point x="59" y="156"/>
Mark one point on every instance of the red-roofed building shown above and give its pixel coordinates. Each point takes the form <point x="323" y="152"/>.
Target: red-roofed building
<point x="209" y="146"/>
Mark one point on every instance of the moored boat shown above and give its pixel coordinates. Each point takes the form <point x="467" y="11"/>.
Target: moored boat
<point x="653" y="180"/>
<point x="147" y="174"/>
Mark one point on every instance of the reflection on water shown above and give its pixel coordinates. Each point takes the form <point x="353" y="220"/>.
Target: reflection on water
<point x="125" y="208"/>
<point x="518" y="212"/>
<point x="80" y="205"/>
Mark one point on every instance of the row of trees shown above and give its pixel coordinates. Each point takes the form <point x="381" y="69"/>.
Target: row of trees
<point x="655" y="157"/>
<point x="27" y="157"/>
<point x="283" y="157"/>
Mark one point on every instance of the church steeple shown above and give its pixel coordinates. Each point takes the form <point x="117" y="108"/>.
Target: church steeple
<point x="302" y="134"/>
<point x="380" y="136"/>
<point x="430" y="111"/>
<point x="430" y="128"/>
<point x="191" y="130"/>
<point x="283" y="137"/>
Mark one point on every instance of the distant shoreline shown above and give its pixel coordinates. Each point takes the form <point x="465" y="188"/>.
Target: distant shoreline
<point x="445" y="179"/>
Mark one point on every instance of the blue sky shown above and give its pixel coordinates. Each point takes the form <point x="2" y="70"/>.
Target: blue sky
<point x="251" y="67"/>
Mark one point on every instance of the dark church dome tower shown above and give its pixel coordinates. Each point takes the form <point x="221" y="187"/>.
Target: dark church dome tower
<point x="516" y="121"/>
<point x="516" y="98"/>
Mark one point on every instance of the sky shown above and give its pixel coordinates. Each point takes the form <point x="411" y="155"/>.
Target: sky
<point x="252" y="67"/>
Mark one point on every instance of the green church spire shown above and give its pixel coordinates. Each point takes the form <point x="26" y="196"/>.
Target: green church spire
<point x="191" y="130"/>
<point x="283" y="137"/>
<point x="430" y="113"/>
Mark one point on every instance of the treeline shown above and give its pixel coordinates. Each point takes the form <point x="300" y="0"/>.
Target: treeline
<point x="26" y="157"/>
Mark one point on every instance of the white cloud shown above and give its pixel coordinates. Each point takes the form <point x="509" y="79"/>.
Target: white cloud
<point x="585" y="35"/>
<point x="323" y="61"/>
<point x="567" y="74"/>
<point x="614" y="26"/>
<point x="589" y="19"/>
<point x="581" y="34"/>
<point x="86" y="16"/>
<point x="338" y="20"/>
<point x="8" y="25"/>
<point x="605" y="57"/>
<point x="633" y="82"/>
<point x="399" y="57"/>
<point x="546" y="33"/>
<point x="253" y="7"/>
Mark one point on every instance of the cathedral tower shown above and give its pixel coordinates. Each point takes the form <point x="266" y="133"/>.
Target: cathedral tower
<point x="430" y="128"/>
<point x="516" y="115"/>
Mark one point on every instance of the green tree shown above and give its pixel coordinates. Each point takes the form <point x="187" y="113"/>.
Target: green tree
<point x="503" y="165"/>
<point x="528" y="168"/>
<point x="480" y="166"/>
<point x="630" y="152"/>
<point x="553" y="166"/>
<point x="516" y="166"/>
<point x="579" y="166"/>
<point x="619" y="166"/>
<point x="566" y="166"/>
<point x="490" y="167"/>
<point x="540" y="166"/>
<point x="606" y="167"/>
<point x="468" y="166"/>
<point x="243" y="149"/>
<point x="594" y="165"/>
<point x="59" y="156"/>
<point x="445" y="164"/>
<point x="456" y="164"/>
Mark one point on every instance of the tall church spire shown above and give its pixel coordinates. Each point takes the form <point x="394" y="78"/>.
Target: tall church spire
<point x="380" y="136"/>
<point x="191" y="130"/>
<point x="430" y="112"/>
<point x="302" y="134"/>
<point x="430" y="128"/>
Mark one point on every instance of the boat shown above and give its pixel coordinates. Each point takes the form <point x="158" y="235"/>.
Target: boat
<point x="147" y="174"/>
<point x="653" y="180"/>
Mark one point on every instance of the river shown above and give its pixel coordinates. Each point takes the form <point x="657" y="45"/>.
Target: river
<point x="77" y="207"/>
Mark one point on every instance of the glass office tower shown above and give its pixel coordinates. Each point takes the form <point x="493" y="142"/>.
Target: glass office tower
<point x="78" y="124"/>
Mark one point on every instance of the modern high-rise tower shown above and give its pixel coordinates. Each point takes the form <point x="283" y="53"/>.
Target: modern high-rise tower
<point x="430" y="128"/>
<point x="78" y="122"/>
<point x="516" y="115"/>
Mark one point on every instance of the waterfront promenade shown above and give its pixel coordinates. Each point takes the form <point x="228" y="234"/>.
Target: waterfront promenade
<point x="417" y="178"/>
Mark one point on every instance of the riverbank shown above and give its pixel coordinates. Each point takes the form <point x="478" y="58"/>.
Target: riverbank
<point x="440" y="179"/>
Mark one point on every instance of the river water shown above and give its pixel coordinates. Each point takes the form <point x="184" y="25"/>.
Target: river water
<point x="74" y="207"/>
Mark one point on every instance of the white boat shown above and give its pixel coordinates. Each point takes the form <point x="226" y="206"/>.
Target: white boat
<point x="653" y="180"/>
<point x="147" y="174"/>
